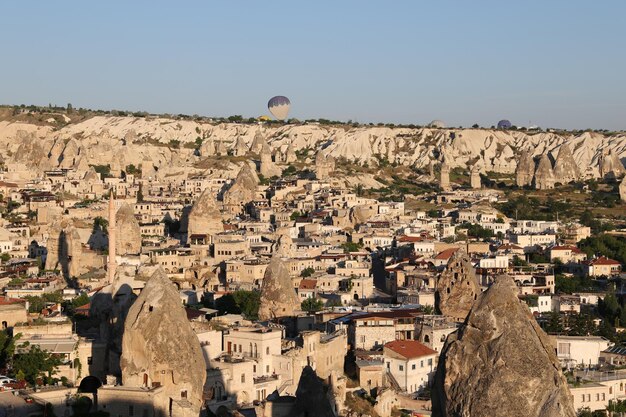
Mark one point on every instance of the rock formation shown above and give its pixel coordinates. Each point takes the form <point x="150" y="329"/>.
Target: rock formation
<point x="240" y="148"/>
<point x="242" y="191"/>
<point x="500" y="363"/>
<point x="70" y="155"/>
<point x="220" y="148"/>
<point x="278" y="297"/>
<point x="147" y="169"/>
<point x="267" y="168"/>
<point x="544" y="174"/>
<point x="610" y="165"/>
<point x="128" y="236"/>
<point x="475" y="182"/>
<point x="207" y="148"/>
<point x="160" y="347"/>
<point x="324" y="166"/>
<point x="444" y="176"/>
<point x="290" y="154"/>
<point x="525" y="169"/>
<point x="64" y="249"/>
<point x="361" y="214"/>
<point x="457" y="287"/>
<point x="205" y="217"/>
<point x="257" y="142"/>
<point x="92" y="177"/>
<point x="622" y="190"/>
<point x="565" y="168"/>
<point x="311" y="396"/>
<point x="30" y="150"/>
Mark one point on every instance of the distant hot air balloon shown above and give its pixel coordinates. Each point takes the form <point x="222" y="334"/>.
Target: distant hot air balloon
<point x="279" y="107"/>
<point x="504" y="124"/>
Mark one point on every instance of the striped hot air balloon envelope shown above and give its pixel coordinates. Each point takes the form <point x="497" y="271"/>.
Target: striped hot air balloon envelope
<point x="279" y="107"/>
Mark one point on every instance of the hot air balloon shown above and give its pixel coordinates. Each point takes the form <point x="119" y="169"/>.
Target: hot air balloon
<point x="279" y="107"/>
<point x="504" y="124"/>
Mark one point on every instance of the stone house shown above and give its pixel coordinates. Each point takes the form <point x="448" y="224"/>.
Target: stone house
<point x="410" y="364"/>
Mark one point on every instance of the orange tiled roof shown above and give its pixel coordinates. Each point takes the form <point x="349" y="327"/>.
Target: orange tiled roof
<point x="409" y="348"/>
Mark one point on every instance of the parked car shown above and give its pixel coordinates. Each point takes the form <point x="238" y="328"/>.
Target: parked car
<point x="4" y="380"/>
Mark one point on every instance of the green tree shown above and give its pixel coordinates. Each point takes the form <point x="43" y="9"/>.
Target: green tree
<point x="295" y="215"/>
<point x="35" y="363"/>
<point x="100" y="223"/>
<point x="312" y="304"/>
<point x="242" y="302"/>
<point x="307" y="272"/>
<point x="249" y="303"/>
<point x="554" y="324"/>
<point x="7" y="347"/>
<point x="351" y="247"/>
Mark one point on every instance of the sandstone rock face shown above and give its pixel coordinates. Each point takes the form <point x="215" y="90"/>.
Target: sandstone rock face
<point x="290" y="155"/>
<point x="622" y="190"/>
<point x="257" y="143"/>
<point x="64" y="249"/>
<point x="610" y="165"/>
<point x="159" y="346"/>
<point x="311" y="398"/>
<point x="242" y="191"/>
<point x="500" y="363"/>
<point x="324" y="165"/>
<point x="457" y="287"/>
<point x="91" y="176"/>
<point x="207" y="148"/>
<point x="30" y="150"/>
<point x="205" y="217"/>
<point x="241" y="148"/>
<point x="128" y="236"/>
<point x="525" y="169"/>
<point x="544" y="175"/>
<point x="129" y="140"/>
<point x="278" y="297"/>
<point x="361" y="214"/>
<point x="220" y="148"/>
<point x="475" y="182"/>
<point x="444" y="176"/>
<point x="565" y="168"/>
<point x="268" y="169"/>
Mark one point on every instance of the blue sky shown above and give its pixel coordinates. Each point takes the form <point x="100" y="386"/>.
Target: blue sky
<point x="551" y="63"/>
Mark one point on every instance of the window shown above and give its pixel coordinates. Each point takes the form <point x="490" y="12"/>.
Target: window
<point x="401" y="367"/>
<point x="243" y="378"/>
<point x="254" y="368"/>
<point x="267" y="350"/>
<point x="267" y="369"/>
<point x="563" y="348"/>
<point x="421" y="364"/>
<point x="430" y="362"/>
<point x="413" y="367"/>
<point x="388" y="363"/>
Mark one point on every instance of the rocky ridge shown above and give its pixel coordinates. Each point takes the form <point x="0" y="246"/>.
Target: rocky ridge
<point x="93" y="141"/>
